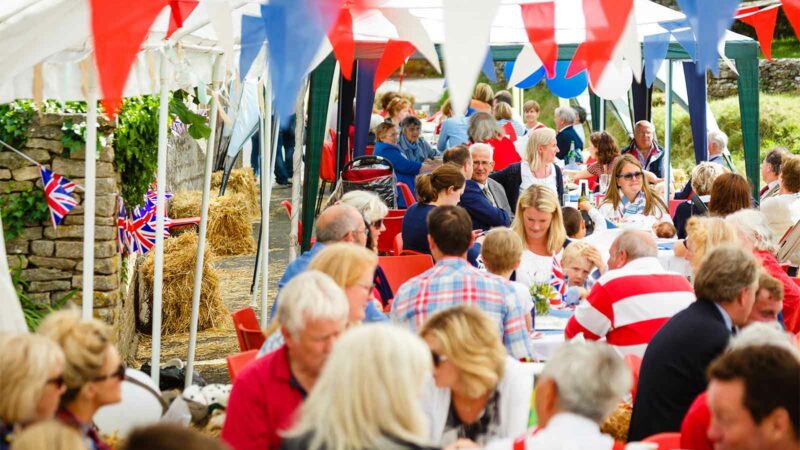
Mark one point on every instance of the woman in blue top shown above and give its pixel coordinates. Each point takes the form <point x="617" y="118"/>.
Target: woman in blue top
<point x="404" y="169"/>
<point x="443" y="186"/>
<point x="413" y="146"/>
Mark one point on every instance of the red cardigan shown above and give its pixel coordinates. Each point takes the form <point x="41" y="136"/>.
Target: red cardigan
<point x="262" y="403"/>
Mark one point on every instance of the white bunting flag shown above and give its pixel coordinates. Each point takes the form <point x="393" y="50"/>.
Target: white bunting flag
<point x="409" y="28"/>
<point x="526" y="64"/>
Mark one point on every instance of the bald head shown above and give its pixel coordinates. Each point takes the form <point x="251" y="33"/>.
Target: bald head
<point x="340" y="223"/>
<point x="630" y="245"/>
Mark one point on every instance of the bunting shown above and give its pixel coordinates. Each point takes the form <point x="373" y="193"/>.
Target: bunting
<point x="488" y="67"/>
<point x="525" y="67"/>
<point x="57" y="192"/>
<point x="709" y="20"/>
<point x="764" y="22"/>
<point x="118" y="29"/>
<point x="254" y="36"/>
<point x="655" y="51"/>
<point x="180" y="10"/>
<point x="409" y="28"/>
<point x="344" y="47"/>
<point x="792" y="10"/>
<point x="540" y="26"/>
<point x="395" y="54"/>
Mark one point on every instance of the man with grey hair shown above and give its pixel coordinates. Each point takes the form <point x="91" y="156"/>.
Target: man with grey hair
<point x="482" y="166"/>
<point x="628" y="304"/>
<point x="717" y="143"/>
<point x="770" y="171"/>
<point x="567" y="137"/>
<point x="579" y="387"/>
<point x="267" y="393"/>
<point x="673" y="368"/>
<point x="644" y="148"/>
<point x="337" y="223"/>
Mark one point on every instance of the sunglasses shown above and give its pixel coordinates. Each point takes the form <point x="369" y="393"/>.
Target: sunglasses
<point x="630" y="175"/>
<point x="58" y="381"/>
<point x="118" y="374"/>
<point x="378" y="223"/>
<point x="437" y="358"/>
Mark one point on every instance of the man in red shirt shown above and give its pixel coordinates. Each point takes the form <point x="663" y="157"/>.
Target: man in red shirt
<point x="312" y="312"/>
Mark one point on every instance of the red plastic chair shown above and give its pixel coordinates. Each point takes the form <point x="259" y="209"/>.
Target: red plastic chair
<point x="408" y="197"/>
<point x="634" y="363"/>
<point x="396" y="213"/>
<point x="673" y="205"/>
<point x="253" y="337"/>
<point x="245" y="317"/>
<point x="369" y="150"/>
<point x="399" y="269"/>
<point x="386" y="240"/>
<point x="237" y="362"/>
<point x="398" y="244"/>
<point x="665" y="441"/>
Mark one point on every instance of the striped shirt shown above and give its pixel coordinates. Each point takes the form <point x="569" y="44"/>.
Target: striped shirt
<point x="453" y="282"/>
<point x="627" y="306"/>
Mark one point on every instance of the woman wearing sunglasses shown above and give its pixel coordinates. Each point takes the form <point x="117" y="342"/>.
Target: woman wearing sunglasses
<point x="93" y="370"/>
<point x="478" y="392"/>
<point x="32" y="382"/>
<point x="628" y="196"/>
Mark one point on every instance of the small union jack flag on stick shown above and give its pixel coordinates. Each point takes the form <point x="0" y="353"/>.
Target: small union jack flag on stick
<point x="557" y="280"/>
<point x="57" y="190"/>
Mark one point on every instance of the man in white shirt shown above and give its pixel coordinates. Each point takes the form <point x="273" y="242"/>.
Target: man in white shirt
<point x="580" y="386"/>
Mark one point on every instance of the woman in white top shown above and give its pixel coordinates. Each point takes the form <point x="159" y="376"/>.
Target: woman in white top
<point x="540" y="225"/>
<point x="477" y="392"/>
<point x="629" y="198"/>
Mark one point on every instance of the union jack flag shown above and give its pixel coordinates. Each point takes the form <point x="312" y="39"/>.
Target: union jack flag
<point x="142" y="229"/>
<point x="557" y="280"/>
<point x="57" y="190"/>
<point x="151" y="197"/>
<point x="122" y="228"/>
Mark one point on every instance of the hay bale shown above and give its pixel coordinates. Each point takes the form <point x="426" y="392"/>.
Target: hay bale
<point x="185" y="204"/>
<point x="180" y="257"/>
<point x="229" y="229"/>
<point x="242" y="181"/>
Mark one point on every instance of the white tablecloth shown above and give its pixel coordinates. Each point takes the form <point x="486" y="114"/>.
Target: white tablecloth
<point x="544" y="346"/>
<point x="603" y="240"/>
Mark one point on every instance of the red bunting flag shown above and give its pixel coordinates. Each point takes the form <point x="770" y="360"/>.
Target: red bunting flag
<point x="540" y="25"/>
<point x="180" y="10"/>
<point x="792" y="10"/>
<point x="344" y="47"/>
<point x="605" y="24"/>
<point x="764" y="23"/>
<point x="118" y="29"/>
<point x="394" y="55"/>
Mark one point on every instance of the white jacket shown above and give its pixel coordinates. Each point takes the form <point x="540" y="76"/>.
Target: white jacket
<point x="515" y="388"/>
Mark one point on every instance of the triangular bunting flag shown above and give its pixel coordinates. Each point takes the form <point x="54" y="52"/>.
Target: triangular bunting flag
<point x="792" y="10"/>
<point x="57" y="190"/>
<point x="683" y="34"/>
<point x="344" y="47"/>
<point x="709" y="19"/>
<point x="527" y="64"/>
<point x="488" y="67"/>
<point x="655" y="50"/>
<point x="254" y="36"/>
<point x="179" y="11"/>
<point x="118" y="30"/>
<point x="606" y="21"/>
<point x="764" y="23"/>
<point x="409" y="28"/>
<point x="467" y="25"/>
<point x="540" y="25"/>
<point x="394" y="55"/>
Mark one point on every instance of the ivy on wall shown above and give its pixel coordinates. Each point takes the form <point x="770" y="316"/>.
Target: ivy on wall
<point x="21" y="209"/>
<point x="15" y="119"/>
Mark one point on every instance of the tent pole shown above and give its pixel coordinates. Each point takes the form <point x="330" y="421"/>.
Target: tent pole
<point x="89" y="200"/>
<point x="299" y="111"/>
<point x="201" y="234"/>
<point x="266" y="192"/>
<point x="748" y="105"/>
<point x="161" y="186"/>
<point x="668" y="133"/>
<point x="262" y="145"/>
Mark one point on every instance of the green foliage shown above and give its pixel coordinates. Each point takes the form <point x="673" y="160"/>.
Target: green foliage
<point x="15" y="119"/>
<point x="74" y="136"/>
<point x="136" y="146"/>
<point x="542" y="293"/>
<point x="21" y="208"/>
<point x="787" y="47"/>
<point x="35" y="312"/>
<point x="197" y="127"/>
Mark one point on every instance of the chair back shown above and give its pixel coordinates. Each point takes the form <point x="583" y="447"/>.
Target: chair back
<point x="396" y="213"/>
<point x="399" y="269"/>
<point x="405" y="191"/>
<point x="245" y="317"/>
<point x="253" y="337"/>
<point x="665" y="441"/>
<point x="288" y="206"/>
<point x="634" y="363"/>
<point x="327" y="167"/>
<point x="398" y="244"/>
<point x="394" y="226"/>
<point x="238" y="361"/>
<point x="673" y="205"/>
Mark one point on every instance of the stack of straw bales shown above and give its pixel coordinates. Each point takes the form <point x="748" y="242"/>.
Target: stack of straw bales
<point x="180" y="257"/>
<point x="242" y="181"/>
<point x="229" y="229"/>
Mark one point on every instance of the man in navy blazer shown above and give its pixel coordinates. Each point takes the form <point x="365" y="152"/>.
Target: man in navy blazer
<point x="567" y="136"/>
<point x="674" y="365"/>
<point x="484" y="215"/>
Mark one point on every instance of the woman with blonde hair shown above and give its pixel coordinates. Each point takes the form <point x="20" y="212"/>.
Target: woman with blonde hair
<point x="538" y="167"/>
<point x="32" y="382"/>
<point x="352" y="268"/>
<point x="93" y="371"/>
<point x="702" y="235"/>
<point x="482" y="98"/>
<point x="540" y="225"/>
<point x="49" y="435"/>
<point x="701" y="181"/>
<point x="377" y="405"/>
<point x="478" y="392"/>
<point x="629" y="197"/>
<point x="398" y="109"/>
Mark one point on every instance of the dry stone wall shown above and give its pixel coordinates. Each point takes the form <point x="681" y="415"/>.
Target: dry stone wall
<point x="51" y="261"/>
<point x="780" y="76"/>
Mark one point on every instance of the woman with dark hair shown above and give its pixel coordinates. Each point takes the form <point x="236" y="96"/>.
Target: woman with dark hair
<point x="729" y="193"/>
<point x="413" y="146"/>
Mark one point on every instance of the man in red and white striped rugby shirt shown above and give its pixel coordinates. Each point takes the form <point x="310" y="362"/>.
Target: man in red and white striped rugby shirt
<point x="629" y="304"/>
